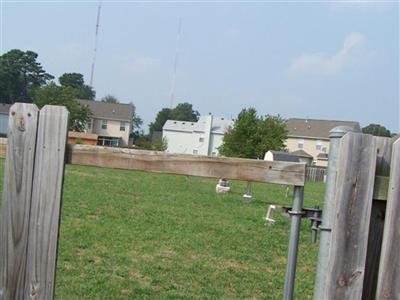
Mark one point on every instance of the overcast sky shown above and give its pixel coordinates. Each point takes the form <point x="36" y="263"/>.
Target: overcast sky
<point x="316" y="60"/>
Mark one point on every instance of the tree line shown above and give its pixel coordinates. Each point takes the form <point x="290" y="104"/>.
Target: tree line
<point x="23" y="79"/>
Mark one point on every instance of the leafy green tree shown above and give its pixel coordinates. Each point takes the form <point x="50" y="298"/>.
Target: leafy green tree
<point x="162" y="117"/>
<point x="137" y="123"/>
<point x="376" y="129"/>
<point x="182" y="112"/>
<point x="160" y="144"/>
<point x="20" y="75"/>
<point x="76" y="81"/>
<point x="253" y="135"/>
<point x="66" y="96"/>
<point x="145" y="142"/>
<point x="109" y="99"/>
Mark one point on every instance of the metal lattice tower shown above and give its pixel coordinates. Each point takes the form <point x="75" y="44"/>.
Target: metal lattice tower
<point x="95" y="43"/>
<point x="175" y="63"/>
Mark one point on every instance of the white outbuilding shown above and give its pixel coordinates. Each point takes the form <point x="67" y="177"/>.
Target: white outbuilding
<point x="203" y="137"/>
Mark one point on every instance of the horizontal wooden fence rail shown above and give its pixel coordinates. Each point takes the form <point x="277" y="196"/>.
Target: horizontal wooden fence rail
<point x="150" y="160"/>
<point x="233" y="168"/>
<point x="290" y="173"/>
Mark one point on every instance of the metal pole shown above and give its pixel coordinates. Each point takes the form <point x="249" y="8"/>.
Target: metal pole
<point x="329" y="209"/>
<point x="296" y="213"/>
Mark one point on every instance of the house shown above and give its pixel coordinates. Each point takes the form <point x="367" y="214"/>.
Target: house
<point x="312" y="137"/>
<point x="296" y="156"/>
<point x="203" y="137"/>
<point x="112" y="122"/>
<point x="82" y="138"/>
<point x="4" y="111"/>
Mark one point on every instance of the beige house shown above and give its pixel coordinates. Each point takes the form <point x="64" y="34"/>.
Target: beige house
<point x="112" y="122"/>
<point x="312" y="137"/>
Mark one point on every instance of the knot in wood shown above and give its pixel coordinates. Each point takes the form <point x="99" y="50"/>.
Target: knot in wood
<point x="21" y="124"/>
<point x="341" y="282"/>
<point x="33" y="291"/>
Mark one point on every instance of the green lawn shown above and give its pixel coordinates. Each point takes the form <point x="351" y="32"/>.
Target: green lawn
<point x="127" y="234"/>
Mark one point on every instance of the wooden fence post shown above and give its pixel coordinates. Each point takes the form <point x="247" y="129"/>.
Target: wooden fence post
<point x="15" y="209"/>
<point x="389" y="269"/>
<point x="377" y="220"/>
<point x="29" y="222"/>
<point x="46" y="201"/>
<point x="353" y="198"/>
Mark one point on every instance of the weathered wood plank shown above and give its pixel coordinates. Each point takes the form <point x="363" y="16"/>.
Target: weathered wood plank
<point x="354" y="189"/>
<point x="381" y="186"/>
<point x="389" y="269"/>
<point x="232" y="168"/>
<point x="377" y="220"/>
<point x="46" y="201"/>
<point x="15" y="209"/>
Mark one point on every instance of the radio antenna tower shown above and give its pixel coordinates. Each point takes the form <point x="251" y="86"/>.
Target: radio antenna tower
<point x="95" y="43"/>
<point x="178" y="37"/>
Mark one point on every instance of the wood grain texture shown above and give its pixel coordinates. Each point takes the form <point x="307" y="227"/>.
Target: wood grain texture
<point x="377" y="220"/>
<point x="389" y="269"/>
<point x="349" y="238"/>
<point x="232" y="168"/>
<point x="15" y="209"/>
<point x="46" y="202"/>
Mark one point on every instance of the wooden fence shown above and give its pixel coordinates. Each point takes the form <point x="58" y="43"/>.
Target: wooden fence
<point x="315" y="173"/>
<point x="363" y="256"/>
<point x="363" y="259"/>
<point x="33" y="175"/>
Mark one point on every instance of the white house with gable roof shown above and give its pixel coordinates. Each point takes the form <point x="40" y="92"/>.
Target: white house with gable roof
<point x="200" y="138"/>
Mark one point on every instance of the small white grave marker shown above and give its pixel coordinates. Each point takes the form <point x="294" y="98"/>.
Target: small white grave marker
<point x="269" y="218"/>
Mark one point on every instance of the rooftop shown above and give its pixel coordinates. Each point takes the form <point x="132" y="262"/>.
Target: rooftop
<point x="109" y="111"/>
<point x="302" y="153"/>
<point x="4" y="108"/>
<point x="312" y="128"/>
<point x="284" y="156"/>
<point x="219" y="125"/>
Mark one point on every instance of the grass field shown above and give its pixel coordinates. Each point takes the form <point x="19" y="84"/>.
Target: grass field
<point x="140" y="235"/>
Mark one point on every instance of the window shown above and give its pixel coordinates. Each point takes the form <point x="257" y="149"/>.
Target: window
<point x="104" y="124"/>
<point x="318" y="145"/>
<point x="201" y="139"/>
<point x="122" y="126"/>
<point x="195" y="151"/>
<point x="108" y="141"/>
<point x="90" y="124"/>
<point x="300" y="144"/>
